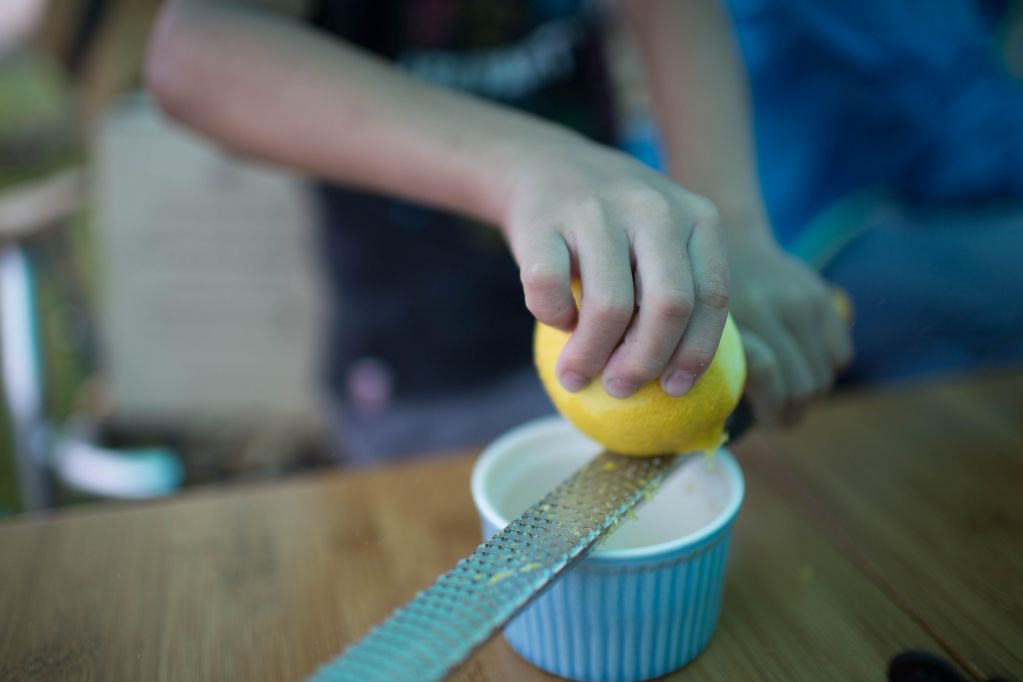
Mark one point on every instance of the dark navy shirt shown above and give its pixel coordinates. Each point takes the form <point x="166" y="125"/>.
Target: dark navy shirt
<point x="434" y="297"/>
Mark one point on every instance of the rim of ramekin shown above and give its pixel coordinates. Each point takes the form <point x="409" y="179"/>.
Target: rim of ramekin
<point x="680" y="545"/>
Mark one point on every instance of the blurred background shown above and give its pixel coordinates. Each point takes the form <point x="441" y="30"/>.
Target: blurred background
<point x="162" y="308"/>
<point x="160" y="324"/>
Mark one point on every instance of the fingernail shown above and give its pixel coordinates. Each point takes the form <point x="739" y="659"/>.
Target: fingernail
<point x="678" y="383"/>
<point x="619" y="387"/>
<point x="573" y="381"/>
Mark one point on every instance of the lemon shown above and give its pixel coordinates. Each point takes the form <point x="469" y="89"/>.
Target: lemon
<point x="649" y="422"/>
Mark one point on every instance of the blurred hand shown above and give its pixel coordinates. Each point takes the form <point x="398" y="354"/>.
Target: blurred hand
<point x="795" y="340"/>
<point x="650" y="257"/>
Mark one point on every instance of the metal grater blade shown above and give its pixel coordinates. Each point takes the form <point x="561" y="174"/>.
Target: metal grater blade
<point x="442" y="625"/>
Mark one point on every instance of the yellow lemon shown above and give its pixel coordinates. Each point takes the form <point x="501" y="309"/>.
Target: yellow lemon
<point x="649" y="422"/>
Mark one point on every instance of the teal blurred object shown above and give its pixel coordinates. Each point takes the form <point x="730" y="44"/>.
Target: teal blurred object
<point x="22" y="377"/>
<point x="68" y="451"/>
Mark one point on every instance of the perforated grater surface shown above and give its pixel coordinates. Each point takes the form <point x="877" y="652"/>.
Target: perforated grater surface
<point x="442" y="625"/>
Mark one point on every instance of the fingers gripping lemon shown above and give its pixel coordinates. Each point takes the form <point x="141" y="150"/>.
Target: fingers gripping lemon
<point x="649" y="422"/>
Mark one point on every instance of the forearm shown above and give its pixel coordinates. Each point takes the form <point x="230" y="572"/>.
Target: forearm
<point x="275" y="90"/>
<point x="569" y="208"/>
<point x="699" y="93"/>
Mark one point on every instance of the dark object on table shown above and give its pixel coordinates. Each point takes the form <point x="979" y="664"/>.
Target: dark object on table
<point x="922" y="666"/>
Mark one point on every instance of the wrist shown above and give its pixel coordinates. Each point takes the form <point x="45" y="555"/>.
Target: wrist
<point x="544" y="157"/>
<point x="742" y="214"/>
<point x="747" y="228"/>
<point x="748" y="242"/>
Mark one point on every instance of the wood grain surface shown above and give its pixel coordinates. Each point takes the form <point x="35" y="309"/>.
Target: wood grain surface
<point x="924" y="491"/>
<point x="843" y="556"/>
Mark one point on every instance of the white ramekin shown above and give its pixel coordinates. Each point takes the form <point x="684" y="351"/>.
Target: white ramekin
<point x="619" y="615"/>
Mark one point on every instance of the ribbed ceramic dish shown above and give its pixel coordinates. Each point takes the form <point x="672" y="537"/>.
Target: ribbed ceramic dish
<point x="620" y="615"/>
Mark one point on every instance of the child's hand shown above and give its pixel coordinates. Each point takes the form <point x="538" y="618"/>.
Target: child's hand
<point x="650" y="257"/>
<point x="795" y="340"/>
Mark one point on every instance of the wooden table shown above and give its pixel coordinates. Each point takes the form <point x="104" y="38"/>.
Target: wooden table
<point x="888" y="521"/>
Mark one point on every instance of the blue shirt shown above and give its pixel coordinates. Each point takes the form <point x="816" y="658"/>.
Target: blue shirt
<point x="908" y="95"/>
